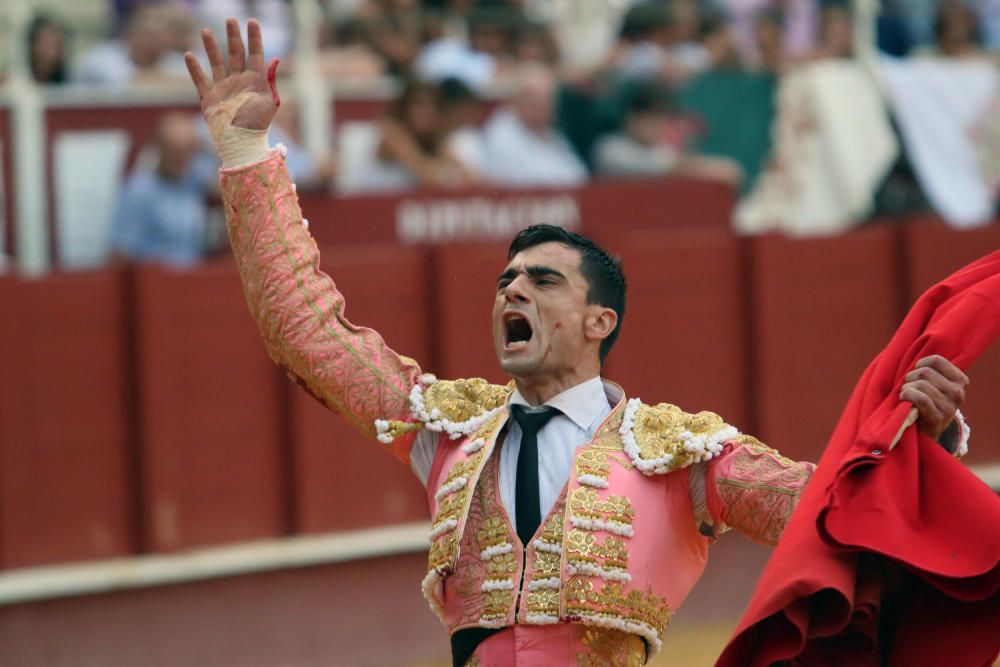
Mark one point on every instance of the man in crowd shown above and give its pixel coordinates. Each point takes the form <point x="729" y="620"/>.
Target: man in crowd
<point x="522" y="145"/>
<point x="161" y="215"/>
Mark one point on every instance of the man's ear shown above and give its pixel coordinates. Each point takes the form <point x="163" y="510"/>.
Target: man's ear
<point x="599" y="323"/>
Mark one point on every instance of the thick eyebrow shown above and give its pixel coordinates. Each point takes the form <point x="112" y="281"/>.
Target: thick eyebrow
<point x="536" y="271"/>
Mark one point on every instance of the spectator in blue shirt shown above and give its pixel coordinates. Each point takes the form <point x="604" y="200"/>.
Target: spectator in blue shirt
<point x="161" y="216"/>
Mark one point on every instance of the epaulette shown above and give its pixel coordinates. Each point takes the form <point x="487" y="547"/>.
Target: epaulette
<point x="663" y="438"/>
<point x="456" y="407"/>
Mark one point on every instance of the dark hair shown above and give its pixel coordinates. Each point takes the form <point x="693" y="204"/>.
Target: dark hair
<point x="453" y="91"/>
<point x="642" y="20"/>
<point x="398" y="110"/>
<point x="602" y="270"/>
<point x="649" y="98"/>
<point x="39" y="22"/>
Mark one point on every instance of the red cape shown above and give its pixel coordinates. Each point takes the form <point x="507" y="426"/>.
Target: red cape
<point x="912" y="521"/>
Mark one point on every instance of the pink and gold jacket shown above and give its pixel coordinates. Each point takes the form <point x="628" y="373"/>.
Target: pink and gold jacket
<point x="629" y="535"/>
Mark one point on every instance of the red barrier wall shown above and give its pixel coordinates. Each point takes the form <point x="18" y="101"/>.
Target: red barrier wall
<point x="65" y="471"/>
<point x="683" y="337"/>
<point x="822" y="310"/>
<point x="335" y="468"/>
<point x="464" y="279"/>
<point x="141" y="412"/>
<point x="496" y="214"/>
<point x="932" y="252"/>
<point x="213" y="445"/>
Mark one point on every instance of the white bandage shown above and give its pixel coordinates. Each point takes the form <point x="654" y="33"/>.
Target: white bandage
<point x="237" y="146"/>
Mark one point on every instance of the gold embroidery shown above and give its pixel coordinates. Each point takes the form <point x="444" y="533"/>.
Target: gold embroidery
<point x="662" y="429"/>
<point x="443" y="551"/>
<point x="593" y="462"/>
<point x="450" y="507"/>
<point x="497" y="603"/>
<point x="582" y="599"/>
<point x="493" y="532"/>
<point x="580" y="546"/>
<point x="463" y="468"/>
<point x="586" y="503"/>
<point x="501" y="566"/>
<point x="762" y="489"/>
<point x="461" y="400"/>
<point x="546" y="565"/>
<point x="544" y="601"/>
<point x="472" y="662"/>
<point x="583" y="547"/>
<point x="611" y="648"/>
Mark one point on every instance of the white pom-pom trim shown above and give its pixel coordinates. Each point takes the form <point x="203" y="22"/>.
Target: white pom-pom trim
<point x="442" y="528"/>
<point x="305" y="223"/>
<point x="541" y="619"/>
<point x="640" y="628"/>
<point x="493" y="621"/>
<point x="497" y="585"/>
<point x="596" y="571"/>
<point x="701" y="447"/>
<point x="495" y="550"/>
<point x="432" y="588"/>
<point x="282" y="148"/>
<point x="964" y="433"/>
<point x="474" y="446"/>
<point x="433" y="421"/>
<point x="548" y="546"/>
<point x="615" y="527"/>
<point x="552" y="582"/>
<point x="593" y="480"/>
<point x="454" y="485"/>
<point x="294" y="188"/>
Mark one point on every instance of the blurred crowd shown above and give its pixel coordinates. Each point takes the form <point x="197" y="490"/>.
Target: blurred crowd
<point x="507" y="92"/>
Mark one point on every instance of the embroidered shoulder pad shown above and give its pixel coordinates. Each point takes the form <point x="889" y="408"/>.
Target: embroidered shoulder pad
<point x="662" y="438"/>
<point x="456" y="407"/>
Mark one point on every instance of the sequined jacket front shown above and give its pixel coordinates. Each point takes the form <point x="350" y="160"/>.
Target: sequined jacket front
<point x="629" y="535"/>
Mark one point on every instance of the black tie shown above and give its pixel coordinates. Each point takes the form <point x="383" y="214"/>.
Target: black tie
<point x="527" y="507"/>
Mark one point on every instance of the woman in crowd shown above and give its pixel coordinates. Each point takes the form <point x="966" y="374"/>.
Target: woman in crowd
<point x="413" y="139"/>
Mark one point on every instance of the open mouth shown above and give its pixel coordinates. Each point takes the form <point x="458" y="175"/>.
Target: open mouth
<point x="517" y="331"/>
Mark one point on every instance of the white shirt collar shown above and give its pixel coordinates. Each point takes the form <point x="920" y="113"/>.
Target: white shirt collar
<point x="581" y="403"/>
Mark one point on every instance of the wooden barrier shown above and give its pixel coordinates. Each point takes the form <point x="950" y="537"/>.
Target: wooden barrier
<point x="683" y="339"/>
<point x="211" y="418"/>
<point x="822" y="309"/>
<point x="65" y="467"/>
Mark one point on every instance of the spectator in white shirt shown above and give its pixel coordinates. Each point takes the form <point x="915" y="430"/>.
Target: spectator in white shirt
<point x="461" y="113"/>
<point x="522" y="146"/>
<point x="644" y="147"/>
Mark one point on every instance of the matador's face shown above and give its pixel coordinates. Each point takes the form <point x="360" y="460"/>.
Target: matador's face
<point x="540" y="313"/>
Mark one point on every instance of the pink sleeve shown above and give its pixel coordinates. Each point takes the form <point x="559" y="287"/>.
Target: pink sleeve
<point x="754" y="489"/>
<point x="300" y="312"/>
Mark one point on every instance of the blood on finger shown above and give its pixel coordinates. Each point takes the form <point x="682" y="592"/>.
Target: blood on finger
<point x="272" y="73"/>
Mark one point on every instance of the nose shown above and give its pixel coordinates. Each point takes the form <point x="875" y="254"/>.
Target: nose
<point x="515" y="291"/>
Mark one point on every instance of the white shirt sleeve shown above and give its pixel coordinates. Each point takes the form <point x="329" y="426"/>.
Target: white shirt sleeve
<point x="422" y="454"/>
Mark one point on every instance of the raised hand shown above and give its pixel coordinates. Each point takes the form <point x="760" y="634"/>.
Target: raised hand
<point x="244" y="82"/>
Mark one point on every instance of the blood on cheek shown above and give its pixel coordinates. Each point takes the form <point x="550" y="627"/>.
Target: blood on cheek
<point x="548" y="348"/>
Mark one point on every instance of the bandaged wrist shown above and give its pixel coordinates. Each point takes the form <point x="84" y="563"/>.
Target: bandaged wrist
<point x="239" y="146"/>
